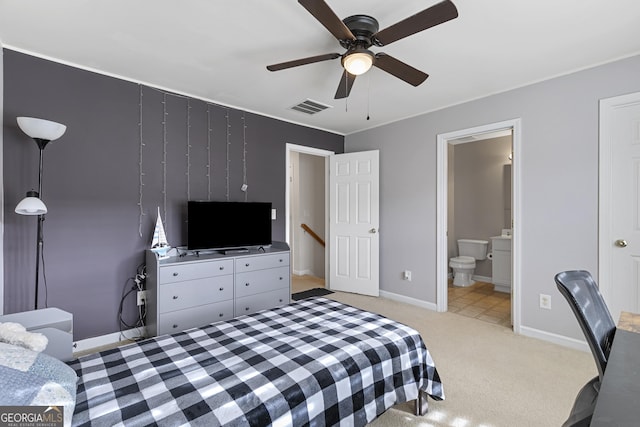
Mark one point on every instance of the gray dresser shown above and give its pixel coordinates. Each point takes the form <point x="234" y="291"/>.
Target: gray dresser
<point x="191" y="291"/>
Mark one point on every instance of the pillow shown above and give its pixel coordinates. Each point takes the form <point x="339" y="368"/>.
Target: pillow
<point x="28" y="378"/>
<point x="15" y="333"/>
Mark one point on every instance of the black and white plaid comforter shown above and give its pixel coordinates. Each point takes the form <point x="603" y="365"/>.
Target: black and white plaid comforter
<point x="313" y="362"/>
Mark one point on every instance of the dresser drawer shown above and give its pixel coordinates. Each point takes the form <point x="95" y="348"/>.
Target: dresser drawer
<point x="194" y="317"/>
<point x="196" y="270"/>
<point x="261" y="262"/>
<point x="180" y="295"/>
<point x="251" y="304"/>
<point x="259" y="281"/>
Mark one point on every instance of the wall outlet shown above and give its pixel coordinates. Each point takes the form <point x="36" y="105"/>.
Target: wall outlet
<point x="545" y="301"/>
<point x="406" y="275"/>
<point x="142" y="297"/>
<point x="273" y="214"/>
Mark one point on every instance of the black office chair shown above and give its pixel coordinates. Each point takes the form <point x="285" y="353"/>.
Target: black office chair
<point x="584" y="298"/>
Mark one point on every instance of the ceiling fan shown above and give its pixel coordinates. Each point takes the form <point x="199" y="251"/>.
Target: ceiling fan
<point x="358" y="33"/>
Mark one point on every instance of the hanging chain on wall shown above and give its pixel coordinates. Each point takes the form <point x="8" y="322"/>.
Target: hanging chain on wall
<point x="164" y="157"/>
<point x="244" y="156"/>
<point x="209" y="164"/>
<point x="188" y="173"/>
<point x="228" y="151"/>
<point x="140" y="169"/>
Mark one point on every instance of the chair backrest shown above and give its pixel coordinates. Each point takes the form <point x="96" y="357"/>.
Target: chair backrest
<point x="582" y="293"/>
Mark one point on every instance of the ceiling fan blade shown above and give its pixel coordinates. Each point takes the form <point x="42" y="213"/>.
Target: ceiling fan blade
<point x="303" y="61"/>
<point x="323" y="13"/>
<point x="430" y="17"/>
<point x="346" y="82"/>
<point x="399" y="69"/>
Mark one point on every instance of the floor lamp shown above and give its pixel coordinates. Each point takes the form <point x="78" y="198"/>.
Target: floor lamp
<point x="42" y="132"/>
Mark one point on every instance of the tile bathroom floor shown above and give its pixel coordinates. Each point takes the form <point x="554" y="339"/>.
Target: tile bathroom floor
<point x="481" y="302"/>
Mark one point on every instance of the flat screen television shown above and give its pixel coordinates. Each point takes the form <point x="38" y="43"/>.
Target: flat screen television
<point x="227" y="225"/>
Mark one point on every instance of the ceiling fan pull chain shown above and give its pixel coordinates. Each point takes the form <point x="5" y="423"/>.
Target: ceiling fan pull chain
<point x="368" y="95"/>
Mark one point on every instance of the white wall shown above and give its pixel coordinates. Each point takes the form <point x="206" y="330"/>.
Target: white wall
<point x="559" y="170"/>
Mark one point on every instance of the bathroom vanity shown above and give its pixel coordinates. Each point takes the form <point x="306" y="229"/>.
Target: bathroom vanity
<point x="501" y="267"/>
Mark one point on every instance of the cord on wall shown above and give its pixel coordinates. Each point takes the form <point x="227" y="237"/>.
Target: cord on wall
<point x="140" y="169"/>
<point x="228" y="151"/>
<point x="209" y="165"/>
<point x="133" y="285"/>
<point x="244" y="156"/>
<point x="188" y="173"/>
<point x="164" y="157"/>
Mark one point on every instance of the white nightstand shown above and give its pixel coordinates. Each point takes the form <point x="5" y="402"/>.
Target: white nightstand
<point x="55" y="324"/>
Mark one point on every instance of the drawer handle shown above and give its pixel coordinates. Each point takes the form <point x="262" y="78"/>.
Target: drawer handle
<point x="222" y="267"/>
<point x="175" y="297"/>
<point x="247" y="309"/>
<point x="281" y="278"/>
<point x="246" y="284"/>
<point x="280" y="300"/>
<point x="280" y="260"/>
<point x="175" y="274"/>
<point x="246" y="265"/>
<point x="221" y="314"/>
<point x="222" y="289"/>
<point x="174" y="326"/>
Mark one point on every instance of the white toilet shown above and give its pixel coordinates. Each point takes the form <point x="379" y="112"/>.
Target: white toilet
<point x="463" y="265"/>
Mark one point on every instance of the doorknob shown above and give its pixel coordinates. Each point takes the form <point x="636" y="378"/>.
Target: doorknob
<point x="373" y="231"/>
<point x="621" y="243"/>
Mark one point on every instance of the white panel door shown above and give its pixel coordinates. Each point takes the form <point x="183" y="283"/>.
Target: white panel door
<point x="619" y="278"/>
<point x="353" y="223"/>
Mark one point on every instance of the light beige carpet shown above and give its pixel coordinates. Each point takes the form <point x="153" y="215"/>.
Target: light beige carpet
<point x="491" y="376"/>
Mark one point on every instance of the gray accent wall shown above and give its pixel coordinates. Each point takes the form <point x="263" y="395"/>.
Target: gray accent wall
<point x="95" y="236"/>
<point x="1" y="175"/>
<point x="559" y="185"/>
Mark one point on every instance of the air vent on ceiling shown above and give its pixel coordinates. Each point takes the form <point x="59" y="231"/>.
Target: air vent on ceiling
<point x="310" y="107"/>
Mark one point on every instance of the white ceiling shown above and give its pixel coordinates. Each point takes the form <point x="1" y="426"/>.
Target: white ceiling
<point x="217" y="50"/>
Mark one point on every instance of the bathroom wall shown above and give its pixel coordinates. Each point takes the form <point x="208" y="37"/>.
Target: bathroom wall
<point x="482" y="182"/>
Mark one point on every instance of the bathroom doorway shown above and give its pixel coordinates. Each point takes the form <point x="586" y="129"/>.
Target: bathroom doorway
<point x="477" y="188"/>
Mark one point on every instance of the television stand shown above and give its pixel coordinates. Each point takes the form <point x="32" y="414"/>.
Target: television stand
<point x="191" y="291"/>
<point x="235" y="251"/>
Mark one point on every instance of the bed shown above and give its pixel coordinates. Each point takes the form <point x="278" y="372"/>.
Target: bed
<point x="312" y="362"/>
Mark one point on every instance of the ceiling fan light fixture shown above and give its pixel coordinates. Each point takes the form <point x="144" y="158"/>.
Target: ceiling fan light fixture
<point x="358" y="61"/>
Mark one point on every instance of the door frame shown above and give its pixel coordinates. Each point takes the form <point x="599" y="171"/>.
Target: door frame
<point x="289" y="148"/>
<point x="442" y="255"/>
<point x="605" y="180"/>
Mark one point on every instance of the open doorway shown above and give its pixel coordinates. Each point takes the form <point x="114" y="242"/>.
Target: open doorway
<point x="448" y="220"/>
<point x="306" y="215"/>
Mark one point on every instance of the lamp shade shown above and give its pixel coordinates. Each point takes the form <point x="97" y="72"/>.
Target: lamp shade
<point x="41" y="129"/>
<point x="31" y="205"/>
<point x="358" y="62"/>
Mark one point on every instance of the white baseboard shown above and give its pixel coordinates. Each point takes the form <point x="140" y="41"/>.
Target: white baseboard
<point x="108" y="339"/>
<point x="524" y="330"/>
<point x="303" y="273"/>
<point x="482" y="279"/>
<point x="555" y="338"/>
<point x="408" y="300"/>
